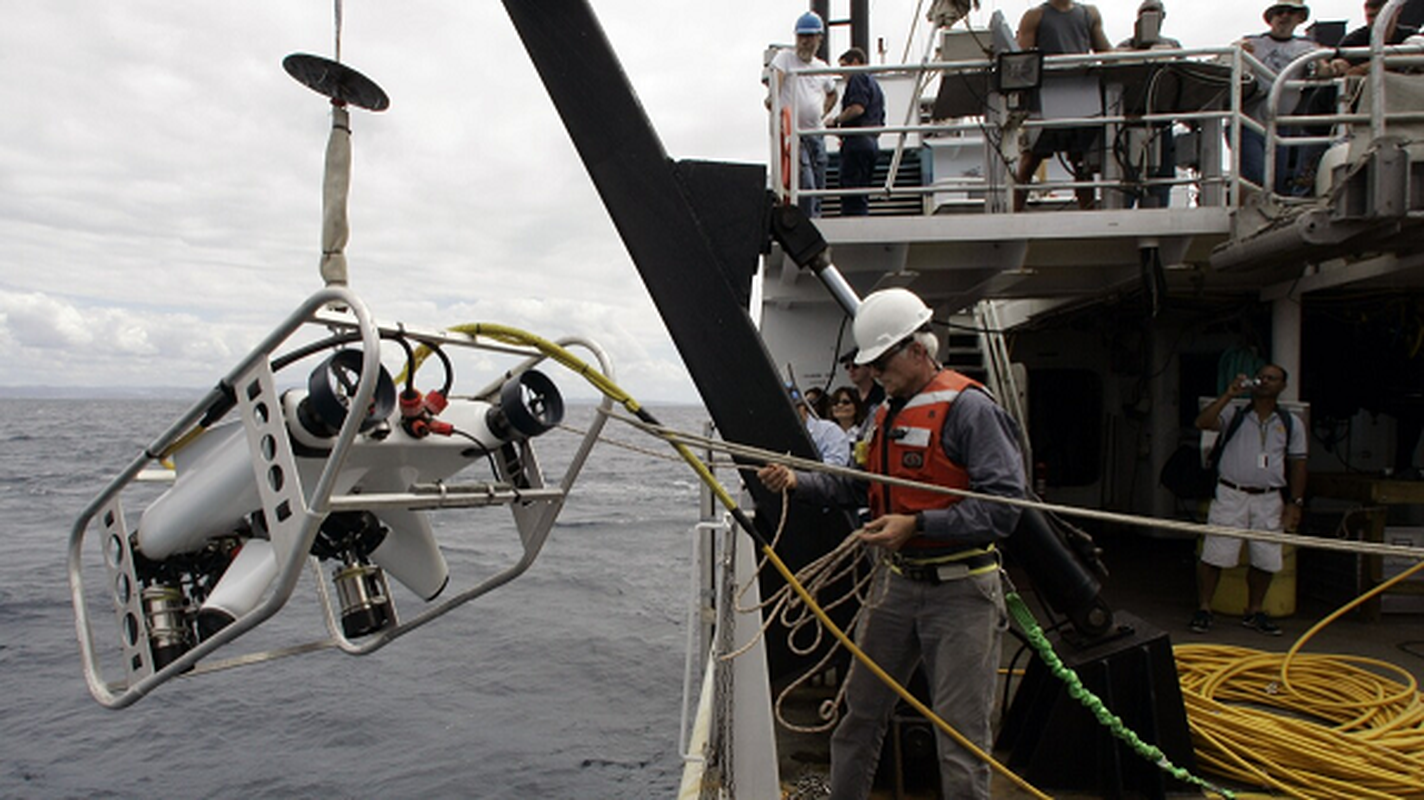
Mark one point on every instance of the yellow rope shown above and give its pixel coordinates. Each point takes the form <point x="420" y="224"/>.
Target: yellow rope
<point x="1340" y="612"/>
<point x="885" y="677"/>
<point x="1374" y="719"/>
<point x="1353" y="733"/>
<point x="1340" y="729"/>
<point x="611" y="390"/>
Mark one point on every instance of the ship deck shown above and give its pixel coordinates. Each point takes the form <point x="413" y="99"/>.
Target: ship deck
<point x="1153" y="579"/>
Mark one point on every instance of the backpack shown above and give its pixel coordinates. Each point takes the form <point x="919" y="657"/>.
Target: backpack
<point x="1184" y="474"/>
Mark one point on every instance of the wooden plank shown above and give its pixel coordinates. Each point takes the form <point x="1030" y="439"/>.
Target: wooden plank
<point x="1372" y="489"/>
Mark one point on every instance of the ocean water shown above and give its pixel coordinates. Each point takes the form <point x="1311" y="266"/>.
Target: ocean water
<point x="566" y="683"/>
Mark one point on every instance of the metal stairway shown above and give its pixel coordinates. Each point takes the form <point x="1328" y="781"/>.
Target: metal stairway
<point x="976" y="346"/>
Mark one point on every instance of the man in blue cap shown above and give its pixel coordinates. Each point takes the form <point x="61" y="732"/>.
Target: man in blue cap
<point x="810" y="98"/>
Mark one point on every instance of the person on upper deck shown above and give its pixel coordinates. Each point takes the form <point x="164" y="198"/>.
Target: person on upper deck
<point x="1412" y="14"/>
<point x="1360" y="37"/>
<point x="848" y="411"/>
<point x="871" y="393"/>
<point x="1262" y="460"/>
<point x="1275" y="49"/>
<point x="810" y="98"/>
<point x="863" y="106"/>
<point x="1060" y="27"/>
<point x="831" y="442"/>
<point x="1150" y="16"/>
<point x="820" y="403"/>
<point x="1148" y="37"/>
<point x="939" y="598"/>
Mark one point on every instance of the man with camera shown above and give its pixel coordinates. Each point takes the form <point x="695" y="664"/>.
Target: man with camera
<point x="1147" y="35"/>
<point x="1261" y="487"/>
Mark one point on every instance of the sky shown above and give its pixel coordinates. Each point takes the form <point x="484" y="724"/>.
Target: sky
<point x="160" y="174"/>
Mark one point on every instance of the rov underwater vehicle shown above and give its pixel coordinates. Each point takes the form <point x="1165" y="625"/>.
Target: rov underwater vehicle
<point x="266" y="472"/>
<point x="300" y="477"/>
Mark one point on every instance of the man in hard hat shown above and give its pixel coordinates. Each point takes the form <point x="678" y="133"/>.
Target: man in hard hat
<point x="810" y="98"/>
<point x="939" y="598"/>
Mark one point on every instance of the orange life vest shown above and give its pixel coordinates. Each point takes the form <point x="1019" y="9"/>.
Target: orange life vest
<point x="912" y="449"/>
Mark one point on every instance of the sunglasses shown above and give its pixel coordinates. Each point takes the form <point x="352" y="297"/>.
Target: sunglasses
<point x="883" y="360"/>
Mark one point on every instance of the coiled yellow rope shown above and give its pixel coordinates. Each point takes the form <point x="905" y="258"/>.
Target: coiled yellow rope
<point x="1341" y="728"/>
<point x="1309" y="725"/>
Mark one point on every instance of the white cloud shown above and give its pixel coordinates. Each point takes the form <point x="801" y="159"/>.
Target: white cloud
<point x="47" y="339"/>
<point x="40" y="322"/>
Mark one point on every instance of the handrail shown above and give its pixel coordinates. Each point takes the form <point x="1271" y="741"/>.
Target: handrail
<point x="1230" y="120"/>
<point x="1001" y="372"/>
<point x="1385" y="18"/>
<point x="1283" y="81"/>
<point x="1052" y="63"/>
<point x="1287" y="81"/>
<point x="910" y="109"/>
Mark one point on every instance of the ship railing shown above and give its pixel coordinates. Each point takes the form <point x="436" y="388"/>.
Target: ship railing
<point x="1000" y="122"/>
<point x="1215" y="179"/>
<point x="1390" y="66"/>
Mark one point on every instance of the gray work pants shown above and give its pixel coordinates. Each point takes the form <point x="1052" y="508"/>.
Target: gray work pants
<point x="957" y="628"/>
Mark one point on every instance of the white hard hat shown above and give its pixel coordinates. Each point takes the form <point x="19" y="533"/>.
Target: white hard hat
<point x="885" y="319"/>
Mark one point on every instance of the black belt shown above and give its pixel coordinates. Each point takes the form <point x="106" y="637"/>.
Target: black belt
<point x="1249" y="489"/>
<point x="943" y="572"/>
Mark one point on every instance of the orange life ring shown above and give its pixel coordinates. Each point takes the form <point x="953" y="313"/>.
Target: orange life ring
<point x="786" y="150"/>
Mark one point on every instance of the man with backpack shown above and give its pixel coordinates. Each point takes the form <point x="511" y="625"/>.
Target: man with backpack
<point x="1261" y="486"/>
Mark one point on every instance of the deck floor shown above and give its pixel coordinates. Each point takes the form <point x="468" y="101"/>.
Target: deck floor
<point x="1154" y="580"/>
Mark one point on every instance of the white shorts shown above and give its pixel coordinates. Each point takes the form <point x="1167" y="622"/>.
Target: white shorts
<point x="1234" y="509"/>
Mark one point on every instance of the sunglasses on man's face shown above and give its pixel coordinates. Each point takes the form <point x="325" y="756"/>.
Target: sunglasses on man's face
<point x="882" y="362"/>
